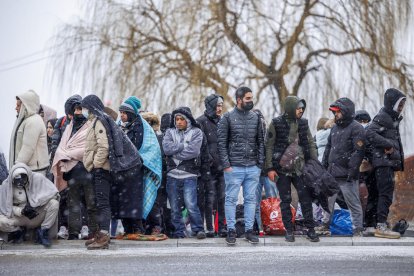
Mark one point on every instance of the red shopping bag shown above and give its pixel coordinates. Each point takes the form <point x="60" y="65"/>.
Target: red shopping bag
<point x="272" y="216"/>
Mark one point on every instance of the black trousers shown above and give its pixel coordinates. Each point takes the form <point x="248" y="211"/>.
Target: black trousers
<point x="102" y="181"/>
<point x="385" y="186"/>
<point x="284" y="186"/>
<point x="211" y="196"/>
<point x="63" y="216"/>
<point x="220" y="196"/>
<point x="371" y="210"/>
<point x="81" y="196"/>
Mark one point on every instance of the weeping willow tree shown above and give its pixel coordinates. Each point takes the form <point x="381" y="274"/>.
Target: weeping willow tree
<point x="171" y="53"/>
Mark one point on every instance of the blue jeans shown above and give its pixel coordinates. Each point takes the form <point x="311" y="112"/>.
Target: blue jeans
<point x="248" y="178"/>
<point x="270" y="191"/>
<point x="183" y="192"/>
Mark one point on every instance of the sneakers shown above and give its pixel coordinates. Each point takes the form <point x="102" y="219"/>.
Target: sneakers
<point x="210" y="234"/>
<point x="289" y="236"/>
<point x="312" y="236"/>
<point x="201" y="235"/>
<point x="101" y="241"/>
<point x="84" y="233"/>
<point x="231" y="237"/>
<point x="382" y="231"/>
<point x="358" y="232"/>
<point x="369" y="232"/>
<point x="251" y="237"/>
<point x="63" y="233"/>
<point x="43" y="237"/>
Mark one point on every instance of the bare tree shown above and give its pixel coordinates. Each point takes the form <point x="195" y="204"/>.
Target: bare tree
<point x="176" y="52"/>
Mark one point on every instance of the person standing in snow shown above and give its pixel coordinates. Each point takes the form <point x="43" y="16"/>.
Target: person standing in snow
<point x="182" y="146"/>
<point x="28" y="143"/>
<point x="241" y="152"/>
<point x="387" y="155"/>
<point x="214" y="190"/>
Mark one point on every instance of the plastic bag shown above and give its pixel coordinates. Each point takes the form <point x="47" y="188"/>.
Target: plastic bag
<point x="272" y="216"/>
<point x="341" y="223"/>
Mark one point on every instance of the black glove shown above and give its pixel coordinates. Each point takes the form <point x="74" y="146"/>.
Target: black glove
<point x="29" y="212"/>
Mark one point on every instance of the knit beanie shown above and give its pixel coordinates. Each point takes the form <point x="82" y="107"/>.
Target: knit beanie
<point x="134" y="103"/>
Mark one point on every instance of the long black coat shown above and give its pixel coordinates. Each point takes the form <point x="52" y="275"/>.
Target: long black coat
<point x="209" y="126"/>
<point x="127" y="191"/>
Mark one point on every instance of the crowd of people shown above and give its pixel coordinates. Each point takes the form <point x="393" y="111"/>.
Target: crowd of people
<point x="81" y="175"/>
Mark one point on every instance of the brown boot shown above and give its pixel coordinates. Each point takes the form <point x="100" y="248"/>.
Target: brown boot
<point x="91" y="238"/>
<point x="101" y="241"/>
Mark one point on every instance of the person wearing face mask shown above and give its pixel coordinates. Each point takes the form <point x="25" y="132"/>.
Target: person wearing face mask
<point x="28" y="200"/>
<point x="241" y="152"/>
<point x="70" y="174"/>
<point x="343" y="156"/>
<point x="289" y="145"/>
<point x="383" y="134"/>
<point x="134" y="205"/>
<point x="58" y="130"/>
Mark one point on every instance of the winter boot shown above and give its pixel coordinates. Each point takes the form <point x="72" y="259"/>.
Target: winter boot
<point x="251" y="237"/>
<point x="210" y="234"/>
<point x="231" y="237"/>
<point x="289" y="236"/>
<point x="15" y="237"/>
<point x="201" y="235"/>
<point x="312" y="236"/>
<point x="101" y="241"/>
<point x="43" y="237"/>
<point x="91" y="238"/>
<point x="383" y="231"/>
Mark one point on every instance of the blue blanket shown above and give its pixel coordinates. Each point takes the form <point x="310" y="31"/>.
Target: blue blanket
<point x="151" y="154"/>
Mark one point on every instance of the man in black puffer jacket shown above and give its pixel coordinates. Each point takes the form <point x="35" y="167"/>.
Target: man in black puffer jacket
<point x="241" y="151"/>
<point x="388" y="156"/>
<point x="343" y="156"/>
<point x="214" y="190"/>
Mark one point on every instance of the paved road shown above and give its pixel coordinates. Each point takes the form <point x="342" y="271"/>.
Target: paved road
<point x="338" y="260"/>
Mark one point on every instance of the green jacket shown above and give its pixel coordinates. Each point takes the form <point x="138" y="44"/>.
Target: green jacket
<point x="291" y="103"/>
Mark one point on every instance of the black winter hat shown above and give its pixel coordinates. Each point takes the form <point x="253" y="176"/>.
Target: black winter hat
<point x="362" y="115"/>
<point x="391" y="97"/>
<point x="71" y="102"/>
<point x="165" y="122"/>
<point x="93" y="103"/>
<point x="210" y="103"/>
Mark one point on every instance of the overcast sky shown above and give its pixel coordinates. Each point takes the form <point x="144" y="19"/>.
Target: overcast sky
<point x="25" y="28"/>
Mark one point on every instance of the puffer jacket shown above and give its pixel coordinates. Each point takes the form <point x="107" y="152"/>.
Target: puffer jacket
<point x="97" y="147"/>
<point x="346" y="144"/>
<point x="240" y="139"/>
<point x="29" y="137"/>
<point x="384" y="133"/>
